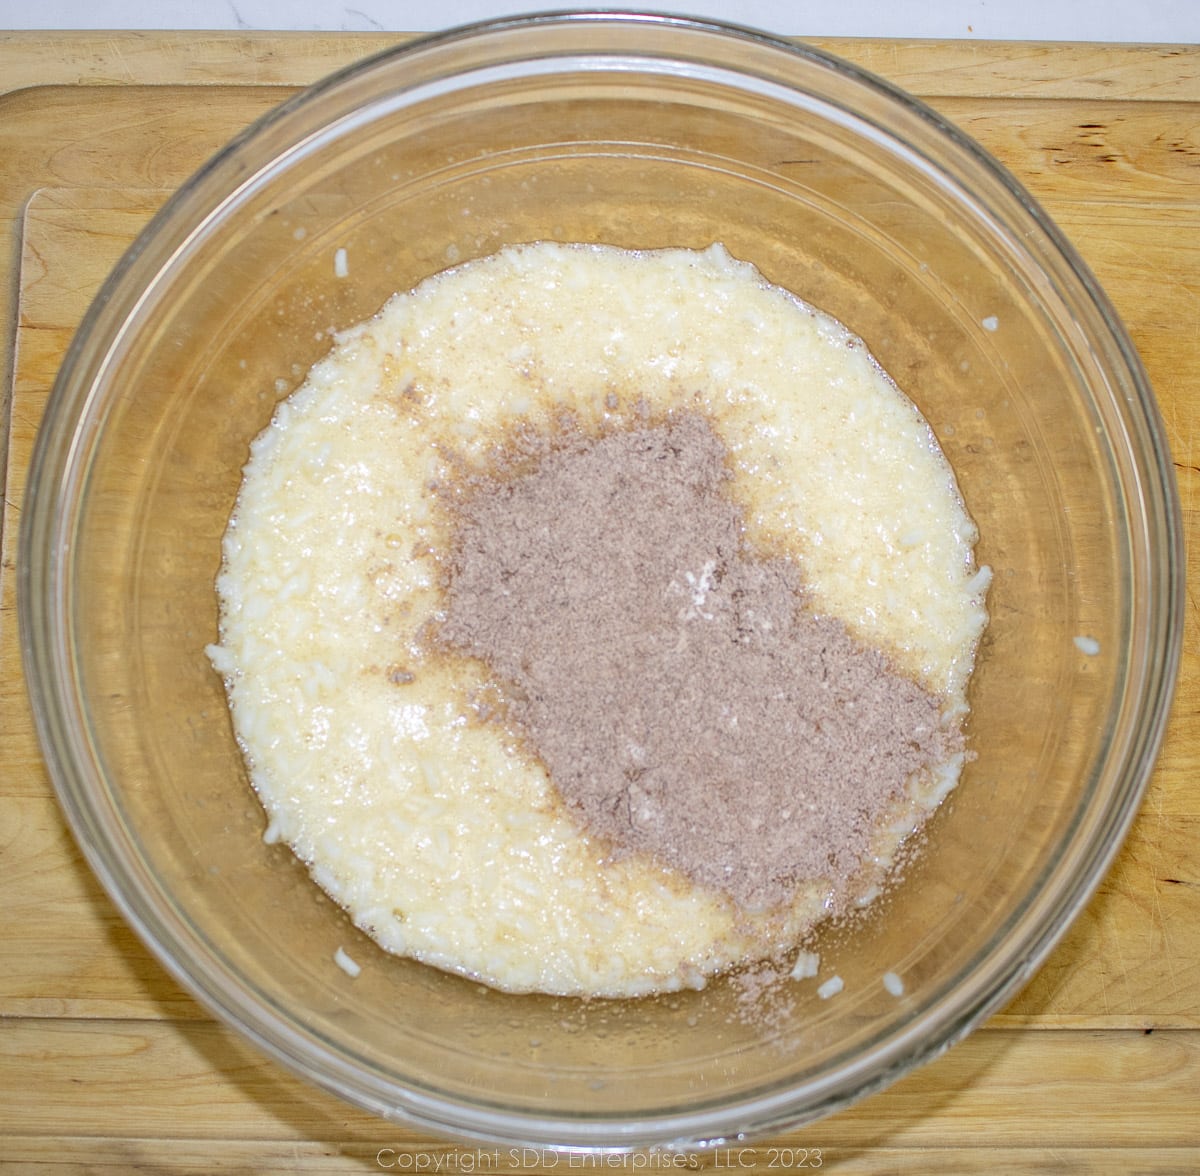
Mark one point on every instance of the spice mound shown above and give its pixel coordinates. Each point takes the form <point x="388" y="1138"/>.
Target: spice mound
<point x="684" y="700"/>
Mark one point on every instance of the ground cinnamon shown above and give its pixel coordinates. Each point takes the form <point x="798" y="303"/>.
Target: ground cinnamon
<point x="683" y="698"/>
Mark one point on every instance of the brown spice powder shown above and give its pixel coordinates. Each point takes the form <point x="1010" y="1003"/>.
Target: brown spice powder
<point x="682" y="698"/>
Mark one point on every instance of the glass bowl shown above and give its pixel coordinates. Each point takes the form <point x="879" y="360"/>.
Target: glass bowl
<point x="643" y="132"/>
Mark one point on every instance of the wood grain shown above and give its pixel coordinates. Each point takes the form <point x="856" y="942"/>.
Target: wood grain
<point x="254" y="1157"/>
<point x="925" y="68"/>
<point x="108" y="1065"/>
<point x="1023" y="1086"/>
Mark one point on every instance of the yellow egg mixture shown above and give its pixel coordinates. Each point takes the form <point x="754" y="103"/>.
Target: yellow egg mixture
<point x="439" y="836"/>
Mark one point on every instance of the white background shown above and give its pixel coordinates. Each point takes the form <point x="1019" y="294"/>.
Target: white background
<point x="1054" y="20"/>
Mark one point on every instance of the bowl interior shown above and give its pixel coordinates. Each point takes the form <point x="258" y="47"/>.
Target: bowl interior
<point x="659" y="135"/>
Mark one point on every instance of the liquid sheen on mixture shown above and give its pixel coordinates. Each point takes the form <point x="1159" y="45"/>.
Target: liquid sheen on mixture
<point x="441" y="836"/>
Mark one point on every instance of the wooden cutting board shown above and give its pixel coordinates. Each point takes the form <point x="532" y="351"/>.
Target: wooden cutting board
<point x="106" y="1064"/>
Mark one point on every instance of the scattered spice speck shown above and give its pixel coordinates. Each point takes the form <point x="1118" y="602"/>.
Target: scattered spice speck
<point x="343" y="961"/>
<point x="831" y="987"/>
<point x="893" y="983"/>
<point x="341" y="264"/>
<point x="1087" y="645"/>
